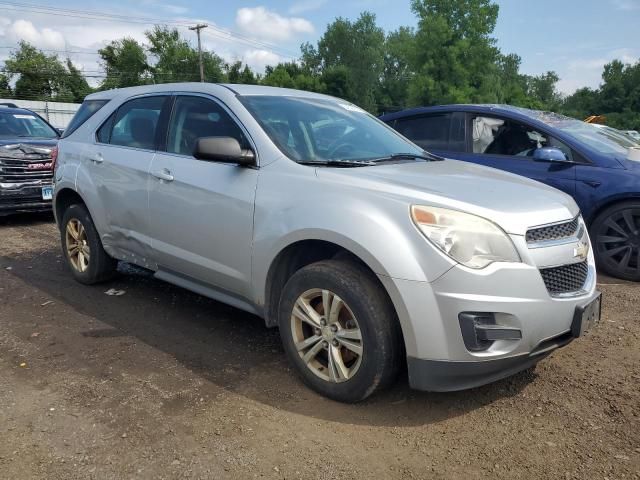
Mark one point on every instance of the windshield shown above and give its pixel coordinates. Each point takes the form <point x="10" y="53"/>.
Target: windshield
<point x="602" y="139"/>
<point x="19" y="125"/>
<point x="319" y="130"/>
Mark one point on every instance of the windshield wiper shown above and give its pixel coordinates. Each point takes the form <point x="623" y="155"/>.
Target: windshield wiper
<point x="338" y="163"/>
<point x="409" y="156"/>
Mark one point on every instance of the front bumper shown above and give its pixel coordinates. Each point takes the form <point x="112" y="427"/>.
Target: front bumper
<point x="23" y="198"/>
<point x="516" y="297"/>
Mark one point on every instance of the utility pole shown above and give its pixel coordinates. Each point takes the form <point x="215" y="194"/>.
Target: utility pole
<point x="197" y="28"/>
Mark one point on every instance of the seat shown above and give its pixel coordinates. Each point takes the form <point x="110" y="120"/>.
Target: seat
<point x="143" y="132"/>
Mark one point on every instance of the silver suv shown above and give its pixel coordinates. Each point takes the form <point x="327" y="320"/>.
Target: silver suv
<point x="366" y="251"/>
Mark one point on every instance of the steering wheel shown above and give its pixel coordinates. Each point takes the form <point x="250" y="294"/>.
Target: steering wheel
<point x="341" y="146"/>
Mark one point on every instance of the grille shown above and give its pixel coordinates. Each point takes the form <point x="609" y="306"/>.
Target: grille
<point x="553" y="232"/>
<point x="565" y="279"/>
<point x="17" y="170"/>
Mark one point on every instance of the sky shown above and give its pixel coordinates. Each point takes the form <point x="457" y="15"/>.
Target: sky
<point x="575" y="38"/>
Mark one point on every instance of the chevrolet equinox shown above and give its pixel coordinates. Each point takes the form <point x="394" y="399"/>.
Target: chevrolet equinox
<point x="365" y="250"/>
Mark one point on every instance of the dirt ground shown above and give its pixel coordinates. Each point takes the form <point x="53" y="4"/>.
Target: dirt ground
<point x="161" y="383"/>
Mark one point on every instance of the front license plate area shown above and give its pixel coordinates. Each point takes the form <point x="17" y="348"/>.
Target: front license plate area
<point x="586" y="316"/>
<point x="47" y="193"/>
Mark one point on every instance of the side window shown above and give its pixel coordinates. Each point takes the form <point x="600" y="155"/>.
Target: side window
<point x="197" y="117"/>
<point x="499" y="136"/>
<point x="134" y="124"/>
<point x="428" y="131"/>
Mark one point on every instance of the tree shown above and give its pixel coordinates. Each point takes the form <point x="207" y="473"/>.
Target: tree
<point x="40" y="76"/>
<point x="125" y="63"/>
<point x="397" y="71"/>
<point x="178" y="61"/>
<point x="73" y="84"/>
<point x="454" y="55"/>
<point x="5" y="88"/>
<point x="358" y="49"/>
<point x="542" y="89"/>
<point x="236" y="73"/>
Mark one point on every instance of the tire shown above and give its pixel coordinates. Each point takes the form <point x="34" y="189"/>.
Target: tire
<point x="358" y="303"/>
<point x="78" y="227"/>
<point x="615" y="234"/>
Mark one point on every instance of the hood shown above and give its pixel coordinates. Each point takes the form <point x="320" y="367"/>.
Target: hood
<point x="513" y="202"/>
<point x="26" y="148"/>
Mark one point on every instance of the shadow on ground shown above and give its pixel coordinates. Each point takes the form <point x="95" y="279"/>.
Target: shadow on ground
<point x="231" y="348"/>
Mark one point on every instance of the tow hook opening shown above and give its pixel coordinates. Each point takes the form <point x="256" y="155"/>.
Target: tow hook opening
<point x="479" y="330"/>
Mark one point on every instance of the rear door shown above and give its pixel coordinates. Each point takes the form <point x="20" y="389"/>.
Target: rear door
<point x="506" y="144"/>
<point x="442" y="132"/>
<point x="119" y="164"/>
<point x="201" y="212"/>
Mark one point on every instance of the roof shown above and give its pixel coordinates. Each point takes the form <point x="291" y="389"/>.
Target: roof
<point x="205" y="88"/>
<point x="504" y="109"/>
<point x="4" y="108"/>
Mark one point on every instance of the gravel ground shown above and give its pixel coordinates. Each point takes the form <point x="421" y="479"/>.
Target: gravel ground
<point x="161" y="383"/>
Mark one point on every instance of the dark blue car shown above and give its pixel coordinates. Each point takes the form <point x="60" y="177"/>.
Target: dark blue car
<point x="589" y="163"/>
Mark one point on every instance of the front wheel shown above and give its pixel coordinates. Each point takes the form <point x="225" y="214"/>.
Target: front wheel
<point x="339" y="330"/>
<point x="616" y="236"/>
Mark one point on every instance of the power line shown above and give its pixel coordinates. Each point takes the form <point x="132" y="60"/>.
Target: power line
<point x="215" y="32"/>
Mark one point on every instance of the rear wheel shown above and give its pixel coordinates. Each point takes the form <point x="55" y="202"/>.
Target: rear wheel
<point x="82" y="248"/>
<point x="616" y="236"/>
<point x="339" y="330"/>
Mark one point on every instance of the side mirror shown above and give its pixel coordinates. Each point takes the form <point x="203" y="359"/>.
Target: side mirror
<point x="223" y="149"/>
<point x="549" y="154"/>
<point x="60" y="131"/>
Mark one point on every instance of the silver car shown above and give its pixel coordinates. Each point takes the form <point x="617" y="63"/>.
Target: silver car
<point x="366" y="251"/>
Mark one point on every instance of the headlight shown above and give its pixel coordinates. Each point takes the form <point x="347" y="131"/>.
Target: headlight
<point x="468" y="239"/>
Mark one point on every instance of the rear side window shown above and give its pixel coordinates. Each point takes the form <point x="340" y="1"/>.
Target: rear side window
<point x="84" y="113"/>
<point x="431" y="132"/>
<point x="134" y="124"/>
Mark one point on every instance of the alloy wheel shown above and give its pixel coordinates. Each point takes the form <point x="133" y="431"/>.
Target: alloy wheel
<point x="326" y="335"/>
<point x="77" y="245"/>
<point x="618" y="240"/>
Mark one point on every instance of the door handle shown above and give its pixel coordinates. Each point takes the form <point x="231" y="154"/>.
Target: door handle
<point x="164" y="174"/>
<point x="97" y="158"/>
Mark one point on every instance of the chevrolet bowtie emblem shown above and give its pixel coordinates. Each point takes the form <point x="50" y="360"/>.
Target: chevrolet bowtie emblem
<point x="581" y="251"/>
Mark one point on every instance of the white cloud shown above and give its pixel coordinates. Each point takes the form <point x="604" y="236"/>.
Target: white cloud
<point x="626" y="5"/>
<point x="46" y="38"/>
<point x="259" y="59"/>
<point x="263" y="23"/>
<point x="306" y="6"/>
<point x="587" y="72"/>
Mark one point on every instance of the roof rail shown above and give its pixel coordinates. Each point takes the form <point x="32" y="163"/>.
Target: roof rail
<point x="8" y="104"/>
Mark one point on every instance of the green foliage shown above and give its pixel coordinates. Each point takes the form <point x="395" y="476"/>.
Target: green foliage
<point x="125" y="63"/>
<point x="236" y="73"/>
<point x="5" y="88"/>
<point x="449" y="57"/>
<point x="42" y="77"/>
<point x="454" y="56"/>
<point x="356" y="49"/>
<point x="178" y="61"/>
<point x="618" y="98"/>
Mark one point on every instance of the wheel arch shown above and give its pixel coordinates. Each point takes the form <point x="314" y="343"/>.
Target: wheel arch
<point x="301" y="253"/>
<point x="63" y="200"/>
<point x="610" y="202"/>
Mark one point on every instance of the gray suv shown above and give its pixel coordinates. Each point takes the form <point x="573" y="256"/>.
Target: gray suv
<point x="366" y="251"/>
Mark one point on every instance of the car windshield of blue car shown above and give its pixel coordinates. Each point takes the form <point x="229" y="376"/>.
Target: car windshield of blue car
<point x="600" y="138"/>
<point x="24" y="125"/>
<point x="318" y="130"/>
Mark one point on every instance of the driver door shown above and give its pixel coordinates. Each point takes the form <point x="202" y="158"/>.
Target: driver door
<point x="509" y="145"/>
<point x="201" y="212"/>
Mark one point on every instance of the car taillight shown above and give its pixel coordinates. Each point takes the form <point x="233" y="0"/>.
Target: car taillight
<point x="54" y="158"/>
